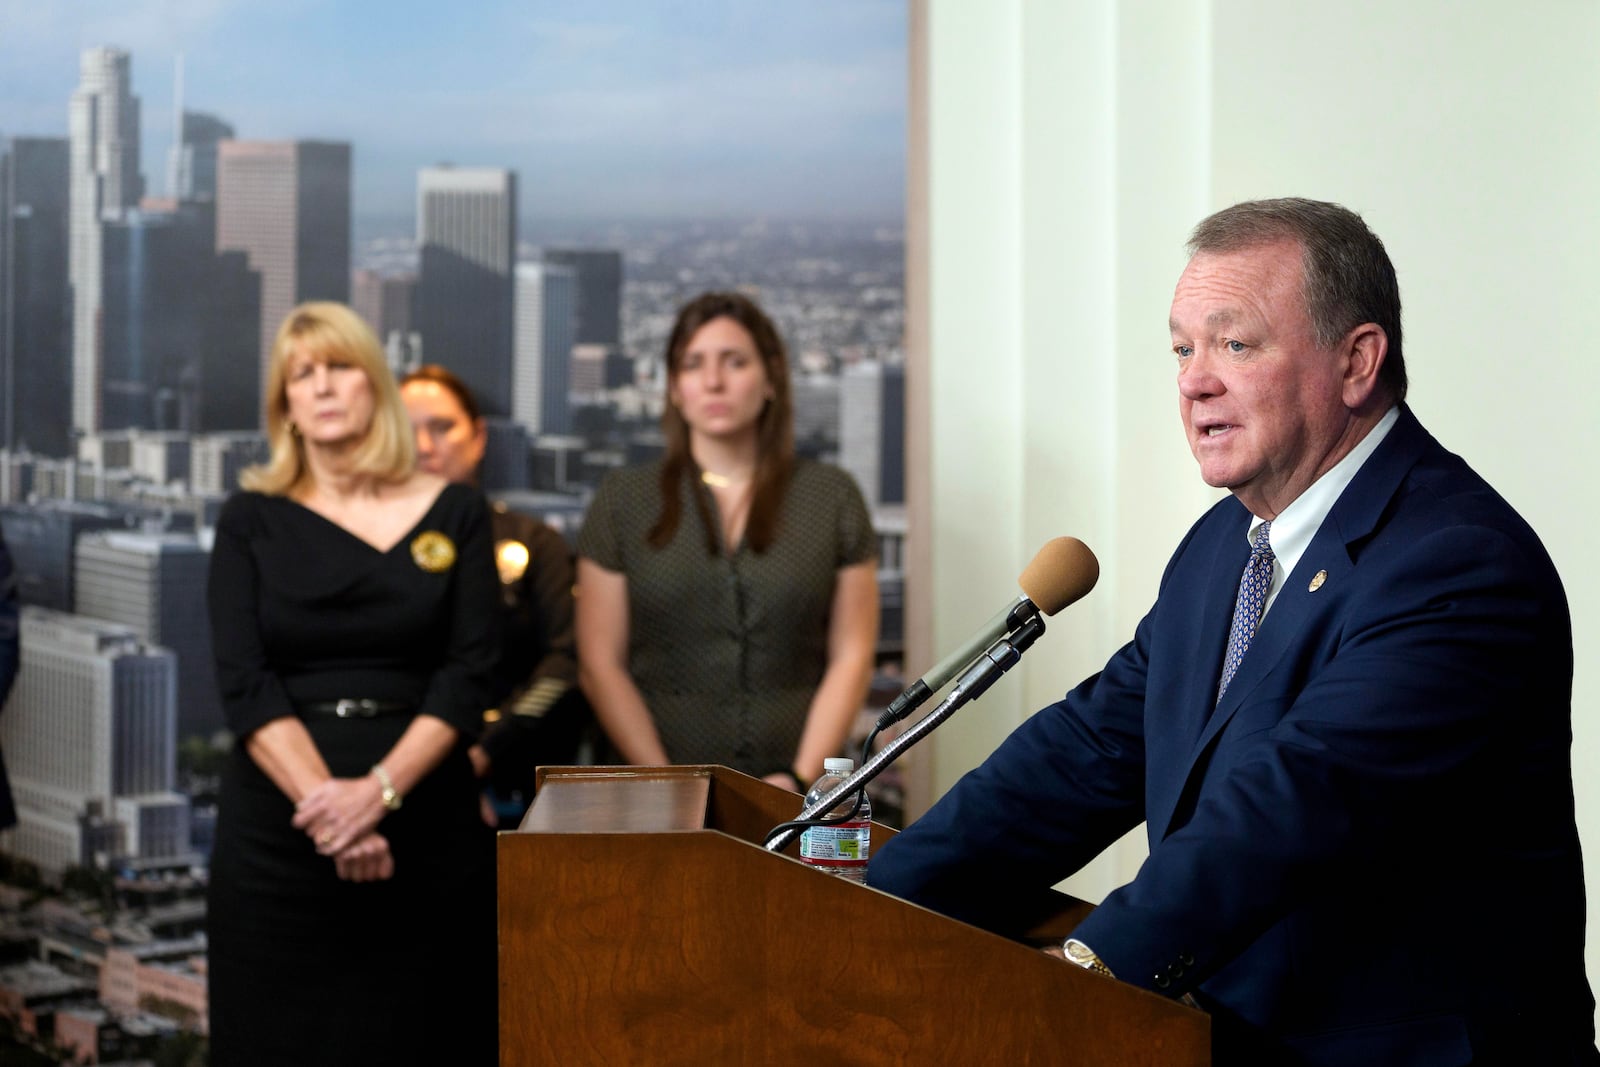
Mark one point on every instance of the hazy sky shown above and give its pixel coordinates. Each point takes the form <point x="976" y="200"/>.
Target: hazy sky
<point x="605" y="108"/>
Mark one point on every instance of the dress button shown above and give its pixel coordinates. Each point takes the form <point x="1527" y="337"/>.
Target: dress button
<point x="1177" y="970"/>
<point x="1186" y="959"/>
<point x="1162" y="981"/>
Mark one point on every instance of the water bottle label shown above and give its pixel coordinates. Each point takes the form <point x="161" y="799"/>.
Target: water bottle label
<point x="845" y="845"/>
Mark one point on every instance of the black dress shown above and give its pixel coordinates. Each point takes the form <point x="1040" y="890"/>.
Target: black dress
<point x="306" y="968"/>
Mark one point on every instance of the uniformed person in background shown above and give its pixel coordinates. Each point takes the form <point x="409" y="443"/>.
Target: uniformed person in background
<point x="541" y="717"/>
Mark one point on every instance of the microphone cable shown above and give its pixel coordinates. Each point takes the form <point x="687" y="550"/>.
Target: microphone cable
<point x="833" y="820"/>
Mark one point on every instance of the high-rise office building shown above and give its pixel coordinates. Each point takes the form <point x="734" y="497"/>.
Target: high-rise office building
<point x="384" y="300"/>
<point x="156" y="307"/>
<point x="105" y="183"/>
<point x="35" y="303"/>
<point x="41" y="536"/>
<point x="599" y="291"/>
<point x="286" y="206"/>
<point x="872" y="429"/>
<point x="154" y="584"/>
<point x="90" y="722"/>
<point x="192" y="162"/>
<point x="230" y="365"/>
<point x="547" y="328"/>
<point x="467" y="240"/>
<point x="505" y="455"/>
<point x="816" y="414"/>
<point x="596" y="369"/>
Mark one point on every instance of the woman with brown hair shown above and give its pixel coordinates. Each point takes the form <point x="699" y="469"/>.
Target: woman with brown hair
<point x="727" y="594"/>
<point x="351" y="906"/>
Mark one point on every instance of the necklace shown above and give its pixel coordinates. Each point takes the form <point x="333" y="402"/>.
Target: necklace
<point x="722" y="481"/>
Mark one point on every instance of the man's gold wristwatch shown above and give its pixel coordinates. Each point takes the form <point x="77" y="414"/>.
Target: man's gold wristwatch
<point x="390" y="795"/>
<point x="1084" y="956"/>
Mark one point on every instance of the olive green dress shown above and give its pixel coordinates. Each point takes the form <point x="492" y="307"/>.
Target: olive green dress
<point x="728" y="650"/>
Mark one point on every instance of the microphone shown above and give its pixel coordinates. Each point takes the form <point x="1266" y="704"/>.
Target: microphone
<point x="1062" y="572"/>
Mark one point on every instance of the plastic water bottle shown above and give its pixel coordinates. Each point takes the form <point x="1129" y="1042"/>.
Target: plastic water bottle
<point x="841" y="848"/>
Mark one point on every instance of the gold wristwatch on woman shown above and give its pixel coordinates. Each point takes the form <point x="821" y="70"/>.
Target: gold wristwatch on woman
<point x="390" y="795"/>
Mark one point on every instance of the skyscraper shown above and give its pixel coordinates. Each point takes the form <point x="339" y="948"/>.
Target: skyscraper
<point x="286" y="206"/>
<point x="89" y="723"/>
<point x="154" y="584"/>
<point x="872" y="429"/>
<point x="467" y="237"/>
<point x="599" y="292"/>
<point x="103" y="127"/>
<point x="384" y="300"/>
<point x="192" y="163"/>
<point x="157" y="270"/>
<point x="35" y="303"/>
<point x="42" y="536"/>
<point x="547" y="328"/>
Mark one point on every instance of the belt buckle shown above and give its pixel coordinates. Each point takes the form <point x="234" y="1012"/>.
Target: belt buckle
<point x="347" y="708"/>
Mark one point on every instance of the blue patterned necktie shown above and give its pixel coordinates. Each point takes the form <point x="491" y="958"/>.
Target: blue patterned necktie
<point x="1253" y="586"/>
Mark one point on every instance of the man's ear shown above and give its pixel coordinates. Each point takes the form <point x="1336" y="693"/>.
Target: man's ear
<point x="1366" y="347"/>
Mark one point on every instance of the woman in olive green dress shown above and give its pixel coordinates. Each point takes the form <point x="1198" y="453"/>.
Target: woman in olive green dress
<point x="727" y="593"/>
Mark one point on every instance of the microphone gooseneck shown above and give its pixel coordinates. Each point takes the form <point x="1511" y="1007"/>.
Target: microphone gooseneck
<point x="1061" y="572"/>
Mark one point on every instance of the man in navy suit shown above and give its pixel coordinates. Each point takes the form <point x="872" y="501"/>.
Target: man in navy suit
<point x="1346" y="722"/>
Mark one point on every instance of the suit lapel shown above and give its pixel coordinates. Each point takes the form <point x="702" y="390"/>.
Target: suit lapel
<point x="1353" y="518"/>
<point x="1202" y="599"/>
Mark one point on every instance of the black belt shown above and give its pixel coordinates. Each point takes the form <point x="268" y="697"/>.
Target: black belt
<point x="354" y="709"/>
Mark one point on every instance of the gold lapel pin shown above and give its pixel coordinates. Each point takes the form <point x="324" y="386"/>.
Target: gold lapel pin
<point x="1317" y="580"/>
<point x="433" y="552"/>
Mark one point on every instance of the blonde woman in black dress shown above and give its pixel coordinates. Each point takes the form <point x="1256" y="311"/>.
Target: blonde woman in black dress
<point x="351" y="909"/>
<point x="727" y="594"/>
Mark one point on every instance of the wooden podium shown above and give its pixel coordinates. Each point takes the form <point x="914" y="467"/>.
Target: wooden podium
<point x="642" y="922"/>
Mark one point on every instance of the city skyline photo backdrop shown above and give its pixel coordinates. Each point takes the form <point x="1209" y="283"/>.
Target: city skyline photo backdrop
<point x="525" y="193"/>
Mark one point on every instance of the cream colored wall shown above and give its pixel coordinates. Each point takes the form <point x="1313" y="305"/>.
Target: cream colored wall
<point x="1069" y="148"/>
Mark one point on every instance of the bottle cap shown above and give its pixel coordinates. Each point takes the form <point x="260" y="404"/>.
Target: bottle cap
<point x="839" y="764"/>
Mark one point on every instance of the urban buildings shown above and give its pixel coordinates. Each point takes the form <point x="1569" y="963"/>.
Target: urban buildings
<point x="154" y="584"/>
<point x="192" y="163"/>
<point x="157" y="315"/>
<point x="90" y="745"/>
<point x="546" y="330"/>
<point x="105" y="183"/>
<point x="42" y="536"/>
<point x="872" y="431"/>
<point x="467" y="242"/>
<point x="110" y="523"/>
<point x="286" y="206"/>
<point x="384" y="300"/>
<point x="35" y="304"/>
<point x="599" y="274"/>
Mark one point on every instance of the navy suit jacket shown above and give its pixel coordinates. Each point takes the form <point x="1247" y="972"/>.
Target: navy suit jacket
<point x="1366" y="852"/>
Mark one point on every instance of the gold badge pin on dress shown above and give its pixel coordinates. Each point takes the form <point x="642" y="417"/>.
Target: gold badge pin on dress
<point x="511" y="557"/>
<point x="433" y="552"/>
<point x="1317" y="580"/>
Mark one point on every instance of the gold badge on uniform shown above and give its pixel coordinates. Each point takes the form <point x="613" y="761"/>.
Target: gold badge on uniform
<point x="511" y="557"/>
<point x="433" y="552"/>
<point x="1317" y="580"/>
